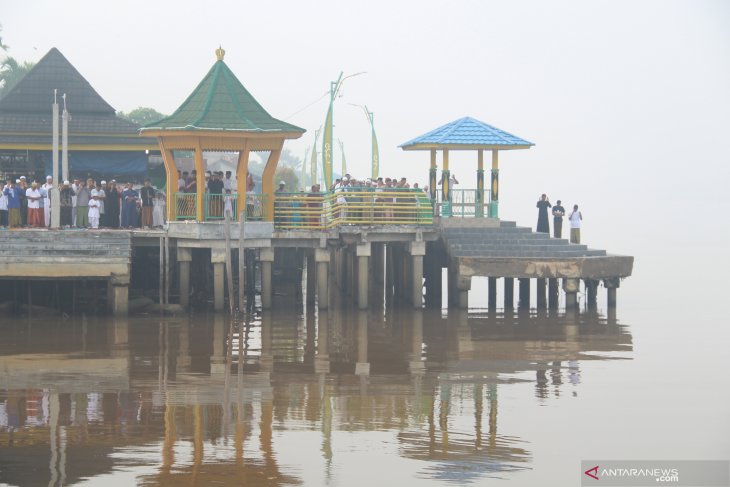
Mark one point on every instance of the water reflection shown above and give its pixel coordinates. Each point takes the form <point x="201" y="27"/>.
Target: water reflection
<point x="205" y="400"/>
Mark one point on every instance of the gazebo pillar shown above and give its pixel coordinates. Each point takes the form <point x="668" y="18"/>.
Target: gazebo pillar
<point x="479" y="198"/>
<point x="199" y="183"/>
<point x="445" y="186"/>
<point x="267" y="184"/>
<point x="168" y="159"/>
<point x="494" y="204"/>
<point x="432" y="182"/>
<point x="241" y="180"/>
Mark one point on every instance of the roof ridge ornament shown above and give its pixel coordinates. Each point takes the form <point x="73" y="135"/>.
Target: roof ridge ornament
<point x="220" y="53"/>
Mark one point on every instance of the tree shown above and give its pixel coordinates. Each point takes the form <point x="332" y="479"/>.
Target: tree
<point x="286" y="174"/>
<point x="11" y="71"/>
<point x="2" y="46"/>
<point x="142" y="115"/>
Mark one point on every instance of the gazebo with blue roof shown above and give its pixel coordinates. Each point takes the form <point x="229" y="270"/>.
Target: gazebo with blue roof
<point x="467" y="134"/>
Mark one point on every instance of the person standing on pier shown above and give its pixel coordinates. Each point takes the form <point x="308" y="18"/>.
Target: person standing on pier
<point x="102" y="189"/>
<point x="147" y="194"/>
<point x="575" y="218"/>
<point x="46" y="190"/>
<point x="543" y="225"/>
<point x="94" y="209"/>
<point x="23" y="187"/>
<point x="66" y="201"/>
<point x="13" y="194"/>
<point x="83" y="195"/>
<point x="111" y="206"/>
<point x="35" y="215"/>
<point x="129" y="208"/>
<point x="558" y="214"/>
<point x="3" y="208"/>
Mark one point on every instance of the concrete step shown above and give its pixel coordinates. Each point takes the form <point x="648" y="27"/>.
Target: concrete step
<point x="546" y="248"/>
<point x="529" y="254"/>
<point x="508" y="241"/>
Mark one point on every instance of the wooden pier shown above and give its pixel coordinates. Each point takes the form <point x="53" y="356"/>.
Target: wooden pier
<point x="404" y="261"/>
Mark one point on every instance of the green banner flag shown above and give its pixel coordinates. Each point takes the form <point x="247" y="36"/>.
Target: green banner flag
<point x="344" y="162"/>
<point x="327" y="150"/>
<point x="303" y="178"/>
<point x="376" y="156"/>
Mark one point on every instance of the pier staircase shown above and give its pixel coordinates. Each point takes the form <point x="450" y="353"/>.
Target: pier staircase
<point x="502" y="249"/>
<point x="509" y="240"/>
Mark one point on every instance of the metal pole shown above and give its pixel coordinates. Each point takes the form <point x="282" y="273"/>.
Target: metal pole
<point x="229" y="265"/>
<point x="64" y="141"/>
<point x="241" y="256"/>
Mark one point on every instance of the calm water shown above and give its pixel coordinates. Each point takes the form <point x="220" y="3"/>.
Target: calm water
<point x="343" y="398"/>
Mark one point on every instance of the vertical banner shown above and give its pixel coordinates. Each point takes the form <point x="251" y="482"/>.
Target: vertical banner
<point x="303" y="178"/>
<point x="344" y="162"/>
<point x="327" y="149"/>
<point x="479" y="197"/>
<point x="376" y="155"/>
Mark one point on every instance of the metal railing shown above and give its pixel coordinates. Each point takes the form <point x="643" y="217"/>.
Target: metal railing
<point x="464" y="203"/>
<point x="366" y="206"/>
<point x="215" y="206"/>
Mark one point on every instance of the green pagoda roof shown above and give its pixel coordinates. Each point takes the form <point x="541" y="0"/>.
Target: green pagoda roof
<point x="221" y="102"/>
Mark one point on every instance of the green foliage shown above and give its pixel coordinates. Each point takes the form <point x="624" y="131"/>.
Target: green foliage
<point x="289" y="176"/>
<point x="11" y="71"/>
<point x="142" y="115"/>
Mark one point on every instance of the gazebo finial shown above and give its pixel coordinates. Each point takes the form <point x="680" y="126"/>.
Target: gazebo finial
<point x="220" y="53"/>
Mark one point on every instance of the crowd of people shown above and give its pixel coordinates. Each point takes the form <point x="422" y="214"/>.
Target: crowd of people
<point x="82" y="204"/>
<point x="543" y="224"/>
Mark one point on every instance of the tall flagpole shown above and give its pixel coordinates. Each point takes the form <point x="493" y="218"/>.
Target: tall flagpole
<point x="374" y="144"/>
<point x="64" y="141"/>
<point x="55" y="199"/>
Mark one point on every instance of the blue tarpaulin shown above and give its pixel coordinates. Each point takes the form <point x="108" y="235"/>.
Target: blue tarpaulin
<point x="107" y="163"/>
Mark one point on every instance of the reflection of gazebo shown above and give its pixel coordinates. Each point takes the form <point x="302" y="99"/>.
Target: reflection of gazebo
<point x="467" y="134"/>
<point x="221" y="115"/>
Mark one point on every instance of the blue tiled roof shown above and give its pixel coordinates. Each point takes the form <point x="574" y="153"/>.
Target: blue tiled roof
<point x="468" y="131"/>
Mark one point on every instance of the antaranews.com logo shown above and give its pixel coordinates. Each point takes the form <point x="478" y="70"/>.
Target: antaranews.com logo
<point x="656" y="472"/>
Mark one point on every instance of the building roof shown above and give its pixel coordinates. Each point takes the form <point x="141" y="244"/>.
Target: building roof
<point x="466" y="133"/>
<point x="220" y="102"/>
<point x="26" y="111"/>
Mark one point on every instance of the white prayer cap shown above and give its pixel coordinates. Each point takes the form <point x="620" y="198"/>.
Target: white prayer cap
<point x="94" y="192"/>
<point x="17" y="180"/>
<point x="282" y="182"/>
<point x="49" y="177"/>
<point x="22" y="177"/>
<point x="103" y="182"/>
<point x="66" y="182"/>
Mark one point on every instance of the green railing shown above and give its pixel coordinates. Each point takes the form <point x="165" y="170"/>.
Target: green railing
<point x="215" y="206"/>
<point x="357" y="206"/>
<point x="464" y="203"/>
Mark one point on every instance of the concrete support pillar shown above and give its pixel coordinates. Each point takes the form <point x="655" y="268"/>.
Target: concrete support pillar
<point x="524" y="301"/>
<point x="433" y="283"/>
<point x="451" y="286"/>
<point x="362" y="366"/>
<point x="218" y="259"/>
<point x="417" y="251"/>
<point x="611" y="284"/>
<point x="553" y="293"/>
<point x="118" y="295"/>
<point x="184" y="258"/>
<point x="492" y="293"/>
<point x="463" y="286"/>
<point x="267" y="259"/>
<point x="378" y="261"/>
<point x="541" y="297"/>
<point x="322" y="359"/>
<point x="311" y="277"/>
<point x="570" y="286"/>
<point x="509" y="293"/>
<point x="322" y="258"/>
<point x="591" y="292"/>
<point x="363" y="254"/>
<point x="389" y="268"/>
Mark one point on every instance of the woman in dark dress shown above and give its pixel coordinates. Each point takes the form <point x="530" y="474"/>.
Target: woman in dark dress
<point x="543" y="224"/>
<point x="111" y="208"/>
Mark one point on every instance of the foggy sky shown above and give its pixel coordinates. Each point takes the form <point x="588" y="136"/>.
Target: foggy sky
<point x="628" y="103"/>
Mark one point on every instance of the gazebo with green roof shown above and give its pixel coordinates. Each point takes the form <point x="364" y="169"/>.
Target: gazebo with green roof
<point x="221" y="115"/>
<point x="467" y="134"/>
